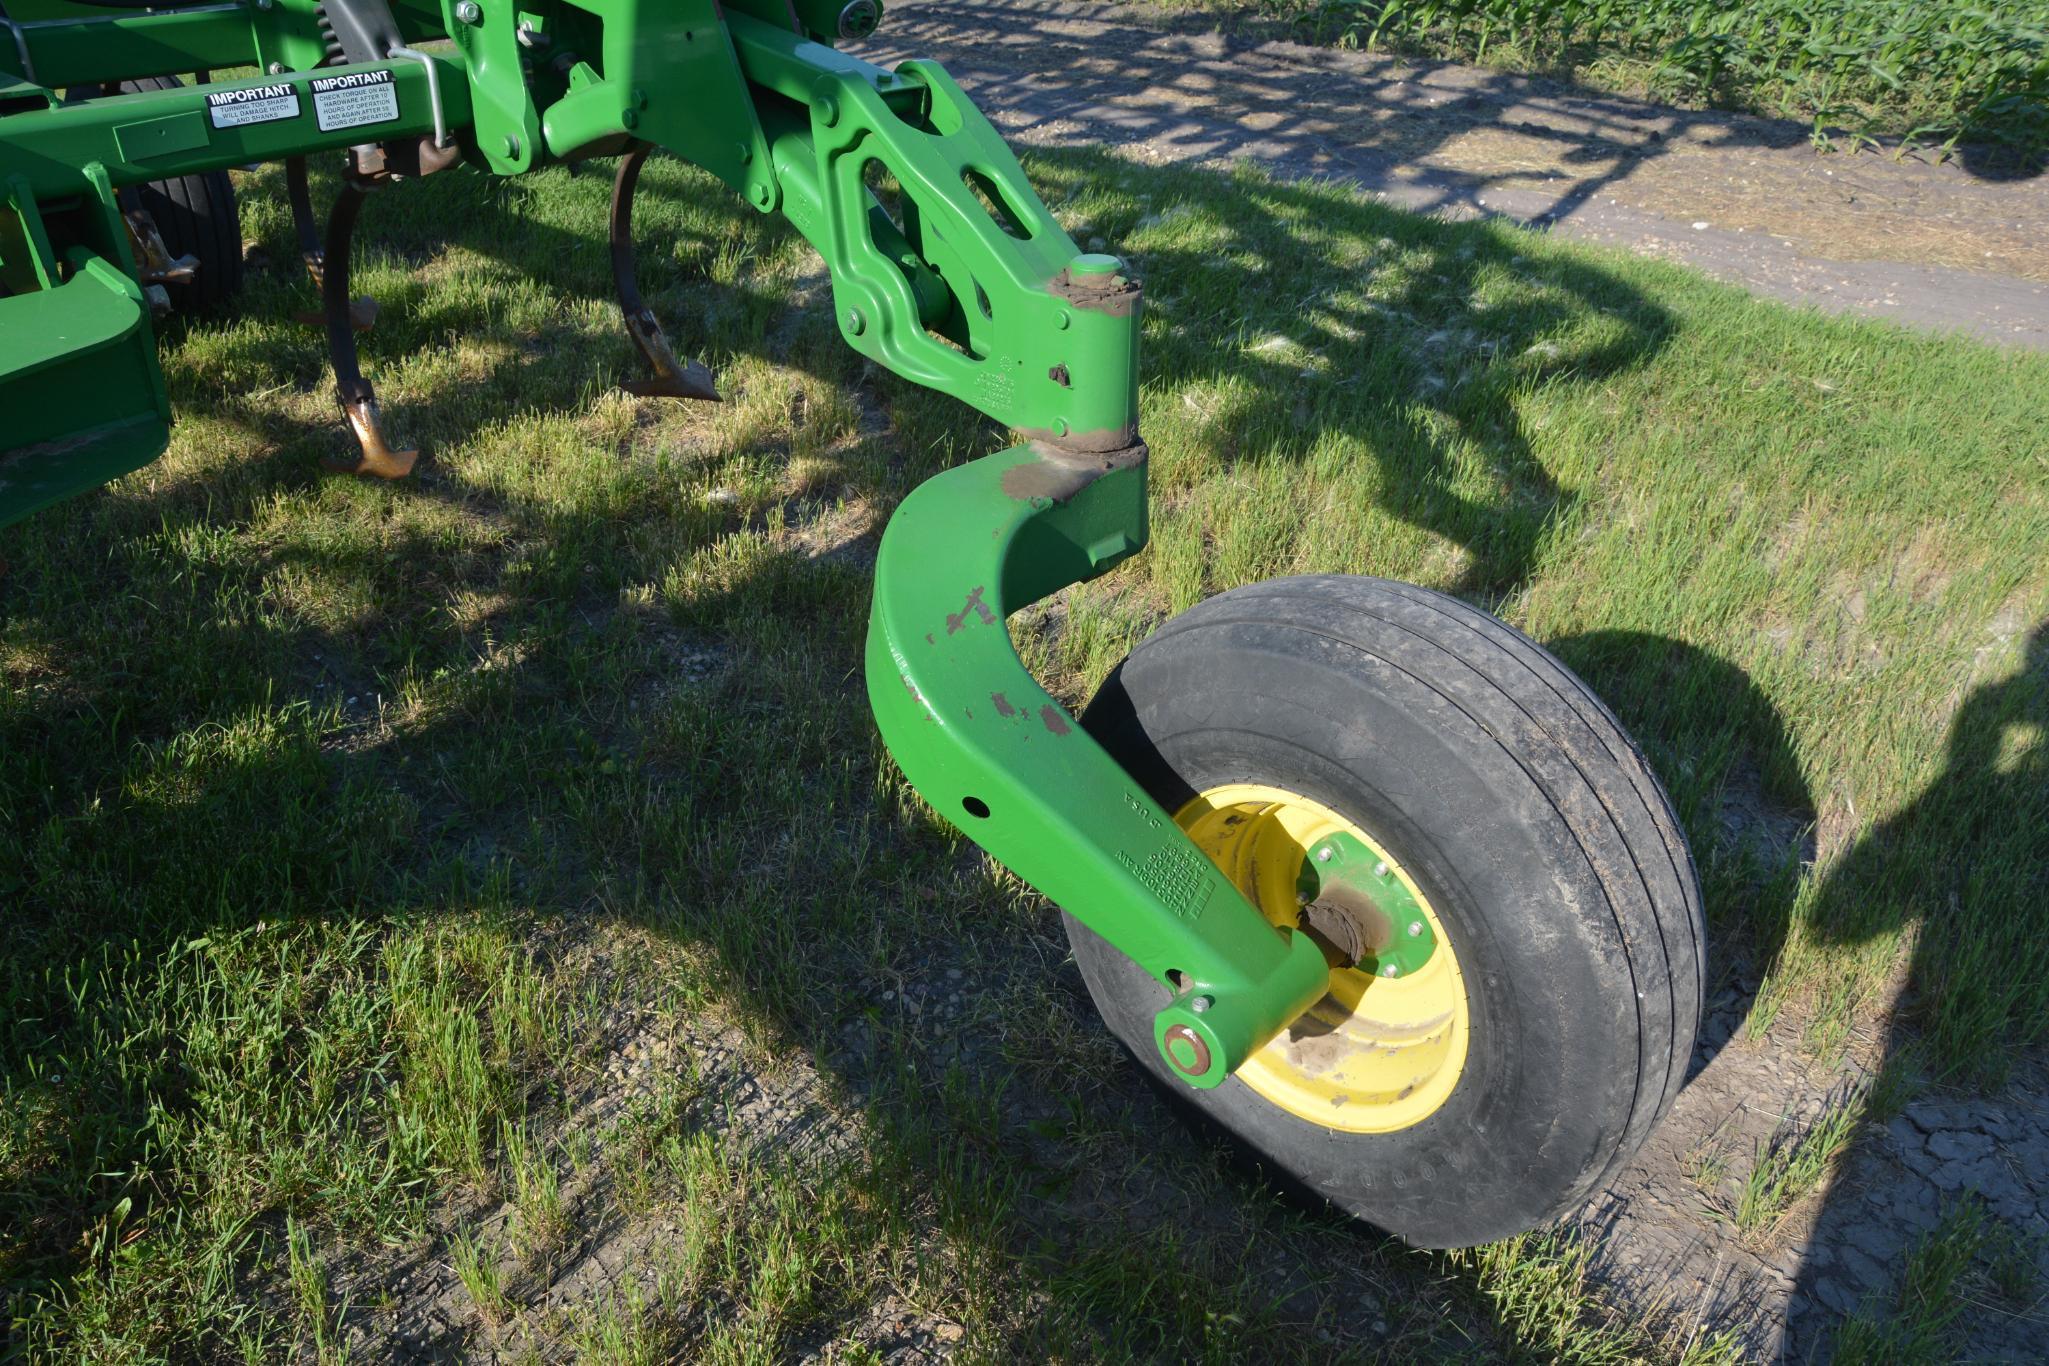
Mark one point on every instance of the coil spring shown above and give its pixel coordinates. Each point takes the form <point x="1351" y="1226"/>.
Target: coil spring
<point x="327" y="38"/>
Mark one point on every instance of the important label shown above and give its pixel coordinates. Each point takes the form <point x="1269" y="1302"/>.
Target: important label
<point x="354" y="100"/>
<point x="257" y="104"/>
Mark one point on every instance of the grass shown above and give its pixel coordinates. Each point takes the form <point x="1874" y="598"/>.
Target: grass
<point x="1794" y="1161"/>
<point x="1925" y="73"/>
<point x="1963" y="1265"/>
<point x="510" y="849"/>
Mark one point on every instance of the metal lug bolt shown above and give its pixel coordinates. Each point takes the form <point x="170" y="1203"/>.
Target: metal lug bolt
<point x="1323" y="854"/>
<point x="1391" y="970"/>
<point x="470" y="12"/>
<point x="856" y="324"/>
<point x="1415" y="929"/>
<point x="276" y="68"/>
<point x="1380" y="870"/>
<point x="746" y="153"/>
<point x="1200" y="1004"/>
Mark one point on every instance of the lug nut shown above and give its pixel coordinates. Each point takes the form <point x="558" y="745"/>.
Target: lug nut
<point x="1415" y="928"/>
<point x="1380" y="869"/>
<point x="1323" y="854"/>
<point x="1200" y="1004"/>
<point x="470" y="12"/>
<point x="1391" y="970"/>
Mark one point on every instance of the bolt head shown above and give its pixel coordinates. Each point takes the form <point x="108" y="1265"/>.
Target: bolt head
<point x="470" y="12"/>
<point x="1380" y="869"/>
<point x="1201" y="1004"/>
<point x="1415" y="929"/>
<point x="511" y="145"/>
<point x="1391" y="970"/>
<point x="856" y="324"/>
<point x="828" y="110"/>
<point x="1323" y="854"/>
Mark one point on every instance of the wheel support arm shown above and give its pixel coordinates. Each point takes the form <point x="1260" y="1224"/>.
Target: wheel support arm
<point x="997" y="756"/>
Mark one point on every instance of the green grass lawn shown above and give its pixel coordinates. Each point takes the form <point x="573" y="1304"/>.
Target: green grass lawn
<point x="416" y="883"/>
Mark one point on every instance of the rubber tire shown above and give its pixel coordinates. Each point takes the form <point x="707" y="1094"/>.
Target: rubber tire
<point x="195" y="214"/>
<point x="1526" y="815"/>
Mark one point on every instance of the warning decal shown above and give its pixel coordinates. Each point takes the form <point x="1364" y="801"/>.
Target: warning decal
<point x="257" y="104"/>
<point x="351" y="101"/>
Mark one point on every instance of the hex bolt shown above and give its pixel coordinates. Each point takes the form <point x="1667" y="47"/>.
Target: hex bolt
<point x="1201" y="1003"/>
<point x="1391" y="970"/>
<point x="276" y="68"/>
<point x="746" y="153"/>
<point x="1323" y="854"/>
<point x="1380" y="869"/>
<point x="856" y="324"/>
<point x="470" y="12"/>
<point x="630" y="117"/>
<point x="1415" y="929"/>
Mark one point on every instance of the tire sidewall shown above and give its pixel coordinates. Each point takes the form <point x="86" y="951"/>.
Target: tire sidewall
<point x="1548" y="1083"/>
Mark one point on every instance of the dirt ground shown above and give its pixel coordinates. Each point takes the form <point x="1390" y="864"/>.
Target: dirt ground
<point x="1744" y="199"/>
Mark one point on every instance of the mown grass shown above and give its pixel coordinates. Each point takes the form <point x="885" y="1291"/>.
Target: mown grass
<point x="1927" y="74"/>
<point x="383" y="861"/>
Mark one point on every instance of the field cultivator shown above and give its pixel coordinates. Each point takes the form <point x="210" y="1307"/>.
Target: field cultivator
<point x="1362" y="876"/>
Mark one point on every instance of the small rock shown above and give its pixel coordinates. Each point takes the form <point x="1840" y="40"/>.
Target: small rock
<point x="949" y="1332"/>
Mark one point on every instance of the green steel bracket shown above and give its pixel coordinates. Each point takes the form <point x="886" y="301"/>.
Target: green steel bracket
<point x="670" y="77"/>
<point x="997" y="756"/>
<point x="508" y="126"/>
<point x="82" y="396"/>
<point x="1033" y="332"/>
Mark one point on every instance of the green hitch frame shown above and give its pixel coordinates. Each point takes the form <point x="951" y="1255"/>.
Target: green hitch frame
<point x="946" y="268"/>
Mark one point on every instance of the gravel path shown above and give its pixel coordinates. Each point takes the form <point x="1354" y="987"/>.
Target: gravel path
<point x="1744" y="199"/>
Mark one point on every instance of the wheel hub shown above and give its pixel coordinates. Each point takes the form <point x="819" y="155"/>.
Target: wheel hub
<point x="1385" y="1047"/>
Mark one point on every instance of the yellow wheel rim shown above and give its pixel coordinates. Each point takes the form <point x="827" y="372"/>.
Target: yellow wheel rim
<point x="1378" y="1053"/>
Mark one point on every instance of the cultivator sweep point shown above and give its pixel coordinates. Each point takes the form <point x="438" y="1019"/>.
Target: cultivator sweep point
<point x="954" y="276"/>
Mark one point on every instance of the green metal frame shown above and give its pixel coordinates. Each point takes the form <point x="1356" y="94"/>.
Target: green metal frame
<point x="946" y="268"/>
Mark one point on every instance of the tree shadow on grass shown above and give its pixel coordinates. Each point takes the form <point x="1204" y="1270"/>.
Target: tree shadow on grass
<point x="176" y="770"/>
